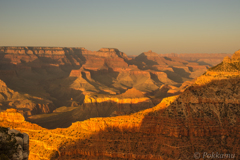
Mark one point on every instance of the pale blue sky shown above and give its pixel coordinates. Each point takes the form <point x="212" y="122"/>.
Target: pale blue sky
<point x="132" y="26"/>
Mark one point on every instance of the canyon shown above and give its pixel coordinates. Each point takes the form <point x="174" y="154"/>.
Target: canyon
<point x="46" y="83"/>
<point x="201" y="119"/>
<point x="109" y="106"/>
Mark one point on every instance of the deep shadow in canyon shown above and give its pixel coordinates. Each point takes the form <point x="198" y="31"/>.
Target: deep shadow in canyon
<point x="85" y="111"/>
<point x="164" y="132"/>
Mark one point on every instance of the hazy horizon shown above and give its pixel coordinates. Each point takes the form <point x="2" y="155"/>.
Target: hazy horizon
<point x="120" y="50"/>
<point x="132" y="27"/>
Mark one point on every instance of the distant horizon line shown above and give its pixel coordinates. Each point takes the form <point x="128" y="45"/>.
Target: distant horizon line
<point x="121" y="51"/>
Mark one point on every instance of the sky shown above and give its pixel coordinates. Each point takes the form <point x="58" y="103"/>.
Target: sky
<point x="132" y="26"/>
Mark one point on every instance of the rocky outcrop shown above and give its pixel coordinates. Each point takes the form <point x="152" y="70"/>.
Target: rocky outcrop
<point x="75" y="73"/>
<point x="102" y="106"/>
<point x="14" y="144"/>
<point x="27" y="104"/>
<point x="236" y="55"/>
<point x="11" y="115"/>
<point x="175" y="68"/>
<point x="150" y="58"/>
<point x="89" y="99"/>
<point x="132" y="93"/>
<point x="105" y="58"/>
<point x="228" y="68"/>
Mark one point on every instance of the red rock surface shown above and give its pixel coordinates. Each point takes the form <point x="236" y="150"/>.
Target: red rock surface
<point x="199" y="120"/>
<point x="11" y="115"/>
<point x="47" y="78"/>
<point x="204" y="118"/>
<point x="27" y="104"/>
<point x="104" y="66"/>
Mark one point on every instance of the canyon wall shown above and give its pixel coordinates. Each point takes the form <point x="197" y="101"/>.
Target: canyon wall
<point x="27" y="104"/>
<point x="45" y="78"/>
<point x="204" y="118"/>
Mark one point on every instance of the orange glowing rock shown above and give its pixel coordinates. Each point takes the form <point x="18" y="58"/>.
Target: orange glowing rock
<point x="11" y="115"/>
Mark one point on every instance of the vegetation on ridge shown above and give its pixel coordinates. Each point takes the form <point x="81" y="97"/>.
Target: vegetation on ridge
<point x="226" y="67"/>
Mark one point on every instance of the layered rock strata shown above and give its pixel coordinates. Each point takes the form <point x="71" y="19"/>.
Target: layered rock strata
<point x="204" y="118"/>
<point x="25" y="103"/>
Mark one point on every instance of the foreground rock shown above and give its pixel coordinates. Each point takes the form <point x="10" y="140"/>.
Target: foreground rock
<point x="14" y="145"/>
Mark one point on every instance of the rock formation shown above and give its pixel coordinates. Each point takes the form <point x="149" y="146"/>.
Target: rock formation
<point x="205" y="118"/>
<point x="11" y="115"/>
<point x="132" y="93"/>
<point x="84" y="84"/>
<point x="176" y="69"/>
<point x="95" y="70"/>
<point x="236" y="55"/>
<point x="202" y="119"/>
<point x="27" y="104"/>
<point x="229" y="66"/>
<point x="14" y="145"/>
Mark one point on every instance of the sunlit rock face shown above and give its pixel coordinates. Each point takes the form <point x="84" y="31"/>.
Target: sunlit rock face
<point x="128" y="102"/>
<point x="236" y="55"/>
<point x="11" y="115"/>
